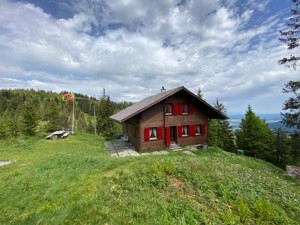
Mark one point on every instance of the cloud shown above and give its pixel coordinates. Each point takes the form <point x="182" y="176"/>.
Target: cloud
<point x="132" y="48"/>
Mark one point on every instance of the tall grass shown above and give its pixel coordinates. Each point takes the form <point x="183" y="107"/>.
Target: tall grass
<point x="74" y="181"/>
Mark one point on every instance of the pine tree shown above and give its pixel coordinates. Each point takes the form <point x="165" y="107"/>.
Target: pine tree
<point x="52" y="115"/>
<point x="8" y="125"/>
<point x="199" y="93"/>
<point x="81" y="123"/>
<point x="11" y="120"/>
<point x="105" y="126"/>
<point x="255" y="137"/>
<point x="291" y="37"/>
<point x="90" y="127"/>
<point x="219" y="132"/>
<point x="3" y="127"/>
<point x="282" y="154"/>
<point x="28" y="119"/>
<point x="3" y="104"/>
<point x="291" y="117"/>
<point x="295" y="153"/>
<point x="65" y="115"/>
<point x="214" y="131"/>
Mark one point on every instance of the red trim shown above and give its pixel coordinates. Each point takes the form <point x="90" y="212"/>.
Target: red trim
<point x="191" y="109"/>
<point x="179" y="109"/>
<point x="179" y="129"/>
<point x="203" y="129"/>
<point x="147" y="134"/>
<point x="192" y="129"/>
<point x="168" y="136"/>
<point x="160" y="132"/>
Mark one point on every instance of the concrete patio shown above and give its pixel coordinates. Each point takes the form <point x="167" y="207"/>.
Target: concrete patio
<point x="120" y="148"/>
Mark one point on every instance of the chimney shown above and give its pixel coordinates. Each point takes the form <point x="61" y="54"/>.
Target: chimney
<point x="162" y="89"/>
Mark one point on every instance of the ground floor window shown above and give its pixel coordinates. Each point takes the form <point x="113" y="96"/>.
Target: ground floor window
<point x="153" y="133"/>
<point x="198" y="129"/>
<point x="185" y="130"/>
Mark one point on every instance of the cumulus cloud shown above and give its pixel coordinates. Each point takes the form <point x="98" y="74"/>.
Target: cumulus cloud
<point x="133" y="47"/>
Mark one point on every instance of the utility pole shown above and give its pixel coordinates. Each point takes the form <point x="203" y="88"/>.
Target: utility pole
<point x="103" y="94"/>
<point x="95" y="122"/>
<point x="73" y="114"/>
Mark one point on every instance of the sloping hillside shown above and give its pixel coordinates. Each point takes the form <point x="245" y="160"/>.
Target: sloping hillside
<point x="74" y="181"/>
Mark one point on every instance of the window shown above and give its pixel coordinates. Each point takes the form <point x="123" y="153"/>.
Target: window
<point x="168" y="109"/>
<point x="153" y="133"/>
<point x="185" y="130"/>
<point x="185" y="109"/>
<point x="198" y="129"/>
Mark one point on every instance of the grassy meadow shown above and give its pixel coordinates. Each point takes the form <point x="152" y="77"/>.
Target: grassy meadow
<point x="74" y="181"/>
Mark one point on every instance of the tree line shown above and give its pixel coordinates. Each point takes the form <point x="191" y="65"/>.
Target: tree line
<point x="254" y="136"/>
<point x="29" y="113"/>
<point x="255" y="139"/>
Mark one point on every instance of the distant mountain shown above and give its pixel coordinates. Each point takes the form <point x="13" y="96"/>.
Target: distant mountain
<point x="262" y="116"/>
<point x="279" y="124"/>
<point x="273" y="121"/>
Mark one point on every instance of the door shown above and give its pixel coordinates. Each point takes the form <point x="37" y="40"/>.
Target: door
<point x="174" y="134"/>
<point x="168" y="136"/>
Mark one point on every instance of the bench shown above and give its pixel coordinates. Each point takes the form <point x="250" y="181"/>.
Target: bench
<point x="125" y="138"/>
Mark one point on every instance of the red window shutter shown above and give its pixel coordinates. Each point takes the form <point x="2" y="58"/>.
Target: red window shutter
<point x="175" y="109"/>
<point x="192" y="130"/>
<point x="160" y="132"/>
<point x="191" y="109"/>
<point x="147" y="134"/>
<point x="168" y="136"/>
<point x="179" y="131"/>
<point x="179" y="109"/>
<point x="203" y="129"/>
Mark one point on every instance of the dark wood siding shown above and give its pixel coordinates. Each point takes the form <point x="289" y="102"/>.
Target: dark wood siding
<point x="131" y="129"/>
<point x="155" y="117"/>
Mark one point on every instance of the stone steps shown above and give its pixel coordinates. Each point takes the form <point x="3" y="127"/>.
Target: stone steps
<point x="175" y="148"/>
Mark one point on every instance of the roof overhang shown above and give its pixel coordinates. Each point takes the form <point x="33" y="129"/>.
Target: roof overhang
<point x="148" y="102"/>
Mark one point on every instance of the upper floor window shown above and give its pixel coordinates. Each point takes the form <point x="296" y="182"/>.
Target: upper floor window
<point x="168" y="109"/>
<point x="185" y="109"/>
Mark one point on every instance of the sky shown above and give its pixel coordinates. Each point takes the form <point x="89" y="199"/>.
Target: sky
<point x="227" y="48"/>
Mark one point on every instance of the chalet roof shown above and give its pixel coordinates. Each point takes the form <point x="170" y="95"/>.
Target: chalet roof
<point x="150" y="101"/>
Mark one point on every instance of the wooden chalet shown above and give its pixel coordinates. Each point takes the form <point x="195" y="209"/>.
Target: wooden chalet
<point x="173" y="116"/>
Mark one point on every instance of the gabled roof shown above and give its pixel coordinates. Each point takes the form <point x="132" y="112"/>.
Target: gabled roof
<point x="148" y="102"/>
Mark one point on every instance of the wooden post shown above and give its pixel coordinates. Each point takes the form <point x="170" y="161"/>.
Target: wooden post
<point x="95" y="122"/>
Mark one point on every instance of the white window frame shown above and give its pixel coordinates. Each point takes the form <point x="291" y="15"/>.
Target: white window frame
<point x="154" y="130"/>
<point x="167" y="105"/>
<point x="185" y="106"/>
<point x="198" y="133"/>
<point x="186" y="128"/>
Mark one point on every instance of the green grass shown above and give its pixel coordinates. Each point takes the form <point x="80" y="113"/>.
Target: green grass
<point x="74" y="181"/>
